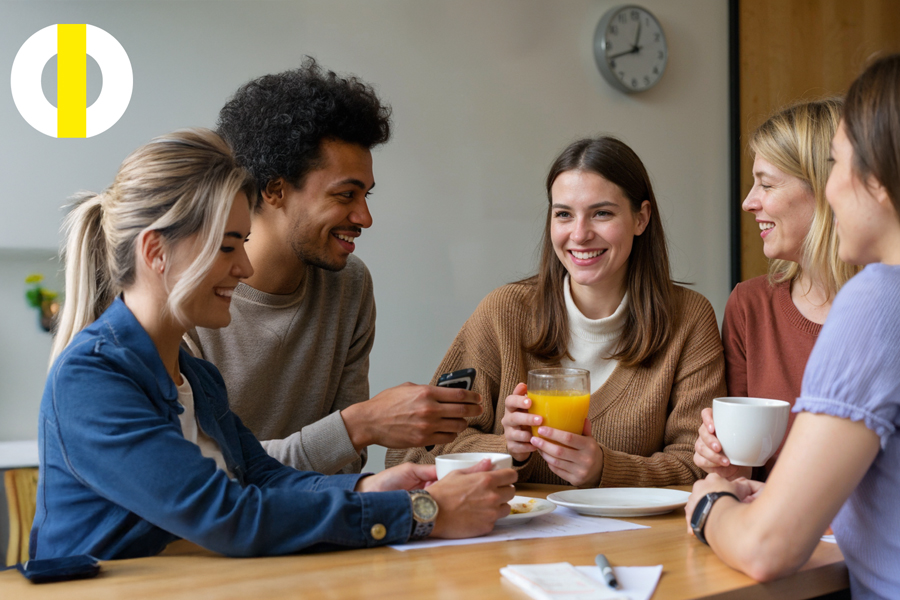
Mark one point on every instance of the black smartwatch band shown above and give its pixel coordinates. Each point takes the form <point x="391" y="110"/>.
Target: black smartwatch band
<point x="701" y="513"/>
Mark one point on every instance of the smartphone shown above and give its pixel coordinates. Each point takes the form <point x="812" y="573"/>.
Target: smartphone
<point x="464" y="378"/>
<point x="48" y="570"/>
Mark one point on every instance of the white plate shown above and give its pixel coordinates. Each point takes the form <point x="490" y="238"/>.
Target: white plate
<point x="621" y="502"/>
<point x="538" y="507"/>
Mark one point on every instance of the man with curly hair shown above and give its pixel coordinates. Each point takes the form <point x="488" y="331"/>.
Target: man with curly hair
<point x="296" y="356"/>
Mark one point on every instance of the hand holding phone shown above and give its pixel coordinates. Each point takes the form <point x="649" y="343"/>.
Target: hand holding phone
<point x="463" y="378"/>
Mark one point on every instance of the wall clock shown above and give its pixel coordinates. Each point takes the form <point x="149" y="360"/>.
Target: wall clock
<point x="630" y="48"/>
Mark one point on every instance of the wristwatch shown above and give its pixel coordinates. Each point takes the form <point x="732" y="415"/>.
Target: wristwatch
<point x="425" y="511"/>
<point x="702" y="510"/>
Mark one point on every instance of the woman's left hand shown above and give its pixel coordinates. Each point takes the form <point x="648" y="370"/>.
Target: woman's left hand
<point x="407" y="476"/>
<point x="746" y="490"/>
<point x="581" y="463"/>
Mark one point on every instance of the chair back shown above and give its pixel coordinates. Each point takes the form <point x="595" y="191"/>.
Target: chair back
<point x="21" y="497"/>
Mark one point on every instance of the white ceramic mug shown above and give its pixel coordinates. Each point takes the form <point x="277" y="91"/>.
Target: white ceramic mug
<point x="451" y="462"/>
<point x="750" y="429"/>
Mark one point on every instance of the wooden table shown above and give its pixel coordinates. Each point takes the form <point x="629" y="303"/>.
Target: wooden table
<point x="690" y="570"/>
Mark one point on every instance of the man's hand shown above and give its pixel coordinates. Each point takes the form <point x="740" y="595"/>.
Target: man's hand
<point x="410" y="416"/>
<point x="471" y="500"/>
<point x="407" y="476"/>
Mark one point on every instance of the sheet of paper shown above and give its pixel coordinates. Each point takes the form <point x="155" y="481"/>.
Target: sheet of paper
<point x="638" y="583"/>
<point x="829" y="538"/>
<point x="560" y="580"/>
<point x="555" y="581"/>
<point x="561" y="522"/>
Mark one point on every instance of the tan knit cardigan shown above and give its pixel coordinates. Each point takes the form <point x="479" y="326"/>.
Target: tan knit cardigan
<point x="645" y="418"/>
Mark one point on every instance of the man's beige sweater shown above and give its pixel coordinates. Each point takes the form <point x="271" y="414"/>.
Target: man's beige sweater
<point x="292" y="362"/>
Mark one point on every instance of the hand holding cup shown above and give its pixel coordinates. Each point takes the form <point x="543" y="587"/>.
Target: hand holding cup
<point x="708" y="453"/>
<point x="470" y="500"/>
<point x="560" y="400"/>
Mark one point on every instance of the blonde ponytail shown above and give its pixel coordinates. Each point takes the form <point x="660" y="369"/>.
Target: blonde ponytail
<point x="88" y="285"/>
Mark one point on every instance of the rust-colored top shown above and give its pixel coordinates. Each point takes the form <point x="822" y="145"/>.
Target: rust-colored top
<point x="645" y="418"/>
<point x="767" y="343"/>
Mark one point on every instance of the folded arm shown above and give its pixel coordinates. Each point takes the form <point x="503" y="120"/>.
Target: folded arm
<point x="776" y="534"/>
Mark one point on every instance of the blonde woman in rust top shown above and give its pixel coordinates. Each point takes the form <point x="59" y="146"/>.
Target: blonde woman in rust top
<point x="603" y="300"/>
<point x="772" y="321"/>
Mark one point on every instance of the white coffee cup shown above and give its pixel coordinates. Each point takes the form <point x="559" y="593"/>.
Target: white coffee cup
<point x="451" y="462"/>
<point x="750" y="429"/>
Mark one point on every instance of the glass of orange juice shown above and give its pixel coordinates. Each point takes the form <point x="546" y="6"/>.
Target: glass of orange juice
<point x="561" y="396"/>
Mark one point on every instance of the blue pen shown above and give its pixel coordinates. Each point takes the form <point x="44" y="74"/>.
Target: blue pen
<point x="607" y="571"/>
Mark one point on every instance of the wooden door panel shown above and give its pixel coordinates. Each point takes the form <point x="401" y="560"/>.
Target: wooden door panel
<point x="793" y="50"/>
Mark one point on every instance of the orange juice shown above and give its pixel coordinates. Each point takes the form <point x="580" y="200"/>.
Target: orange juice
<point x="561" y="409"/>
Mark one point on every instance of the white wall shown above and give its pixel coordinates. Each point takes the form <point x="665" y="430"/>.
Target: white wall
<point x="485" y="93"/>
<point x="24" y="347"/>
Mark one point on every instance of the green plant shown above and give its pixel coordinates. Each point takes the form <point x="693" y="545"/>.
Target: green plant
<point x="45" y="301"/>
<point x="37" y="295"/>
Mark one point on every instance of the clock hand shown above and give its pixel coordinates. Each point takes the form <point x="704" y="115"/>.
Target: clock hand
<point x="615" y="56"/>
<point x="637" y="38"/>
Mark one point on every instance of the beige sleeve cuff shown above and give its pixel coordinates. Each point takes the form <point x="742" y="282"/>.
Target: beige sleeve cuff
<point x="323" y="446"/>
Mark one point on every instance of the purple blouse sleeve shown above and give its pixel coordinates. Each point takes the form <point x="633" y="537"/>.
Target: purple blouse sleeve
<point x="854" y="369"/>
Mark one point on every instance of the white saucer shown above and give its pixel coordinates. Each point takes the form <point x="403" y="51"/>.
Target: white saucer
<point x="536" y="507"/>
<point x="621" y="502"/>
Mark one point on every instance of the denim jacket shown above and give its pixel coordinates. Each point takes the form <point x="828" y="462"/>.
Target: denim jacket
<point x="119" y="480"/>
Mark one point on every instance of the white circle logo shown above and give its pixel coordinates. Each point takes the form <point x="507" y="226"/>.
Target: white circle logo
<point x="71" y="44"/>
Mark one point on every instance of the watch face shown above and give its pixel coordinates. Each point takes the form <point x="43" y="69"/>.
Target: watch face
<point x="424" y="507"/>
<point x="698" y="518"/>
<point x="630" y="49"/>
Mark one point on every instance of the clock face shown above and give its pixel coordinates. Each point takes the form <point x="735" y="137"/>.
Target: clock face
<point x="630" y="49"/>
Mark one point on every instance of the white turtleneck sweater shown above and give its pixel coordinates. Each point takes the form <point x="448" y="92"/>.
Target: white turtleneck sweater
<point x="592" y="341"/>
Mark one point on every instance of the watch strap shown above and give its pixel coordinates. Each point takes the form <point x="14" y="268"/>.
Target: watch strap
<point x="421" y="527"/>
<point x="706" y="507"/>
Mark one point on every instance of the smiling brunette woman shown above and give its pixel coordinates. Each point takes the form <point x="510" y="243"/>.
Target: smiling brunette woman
<point x="603" y="300"/>
<point x="841" y="461"/>
<point x="138" y="445"/>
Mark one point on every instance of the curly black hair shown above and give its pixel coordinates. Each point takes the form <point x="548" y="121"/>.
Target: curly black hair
<point x="275" y="124"/>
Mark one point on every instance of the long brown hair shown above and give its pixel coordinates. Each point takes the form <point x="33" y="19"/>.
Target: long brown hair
<point x="872" y="123"/>
<point x="652" y="309"/>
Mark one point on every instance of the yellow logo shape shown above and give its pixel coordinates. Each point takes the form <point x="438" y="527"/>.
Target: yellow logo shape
<point x="71" y="118"/>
